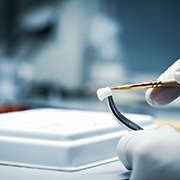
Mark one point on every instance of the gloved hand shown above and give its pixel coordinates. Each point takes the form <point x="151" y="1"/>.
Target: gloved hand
<point x="151" y="154"/>
<point x="163" y="96"/>
<point x="154" y="154"/>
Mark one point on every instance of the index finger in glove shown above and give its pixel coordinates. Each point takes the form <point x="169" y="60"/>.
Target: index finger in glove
<point x="163" y="96"/>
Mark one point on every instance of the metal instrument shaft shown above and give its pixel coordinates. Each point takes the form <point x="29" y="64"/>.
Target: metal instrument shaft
<point x="153" y="84"/>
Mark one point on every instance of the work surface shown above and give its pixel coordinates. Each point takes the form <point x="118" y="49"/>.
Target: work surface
<point x="110" y="171"/>
<point x="62" y="144"/>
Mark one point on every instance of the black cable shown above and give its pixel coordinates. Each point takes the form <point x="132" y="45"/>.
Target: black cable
<point x="120" y="118"/>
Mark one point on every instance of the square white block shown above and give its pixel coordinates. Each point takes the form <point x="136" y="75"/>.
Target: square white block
<point x="59" y="139"/>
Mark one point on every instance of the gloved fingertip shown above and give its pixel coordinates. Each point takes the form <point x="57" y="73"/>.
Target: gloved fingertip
<point x="122" y="149"/>
<point x="177" y="75"/>
<point x="121" y="153"/>
<point x="150" y="98"/>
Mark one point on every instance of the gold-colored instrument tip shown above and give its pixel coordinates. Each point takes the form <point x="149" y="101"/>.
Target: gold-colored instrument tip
<point x="153" y="84"/>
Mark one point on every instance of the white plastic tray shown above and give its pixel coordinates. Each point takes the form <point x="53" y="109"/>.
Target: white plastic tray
<point x="57" y="139"/>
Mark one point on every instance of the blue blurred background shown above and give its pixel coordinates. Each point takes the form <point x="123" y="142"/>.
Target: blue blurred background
<point x="59" y="52"/>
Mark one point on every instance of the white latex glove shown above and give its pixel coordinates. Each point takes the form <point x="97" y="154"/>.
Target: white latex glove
<point x="151" y="154"/>
<point x="162" y="96"/>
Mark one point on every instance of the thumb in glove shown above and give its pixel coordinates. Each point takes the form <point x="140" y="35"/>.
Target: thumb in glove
<point x="151" y="154"/>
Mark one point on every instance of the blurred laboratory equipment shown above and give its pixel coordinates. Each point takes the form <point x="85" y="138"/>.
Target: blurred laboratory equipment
<point x="15" y="76"/>
<point x="74" y="47"/>
<point x="65" y="58"/>
<point x="105" y="51"/>
<point x="70" y="48"/>
<point x="59" y="58"/>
